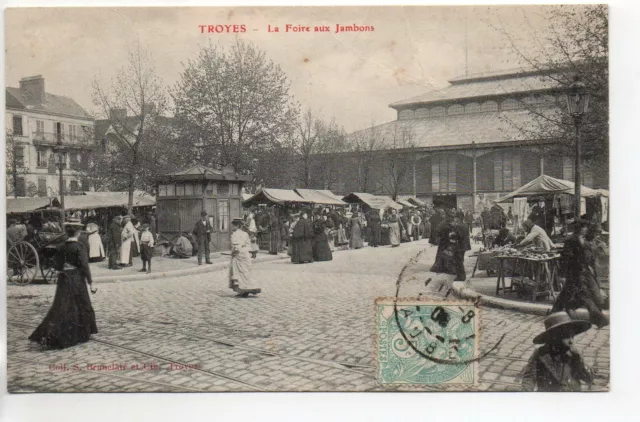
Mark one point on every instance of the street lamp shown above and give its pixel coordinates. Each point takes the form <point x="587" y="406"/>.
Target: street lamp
<point x="578" y="105"/>
<point x="61" y="163"/>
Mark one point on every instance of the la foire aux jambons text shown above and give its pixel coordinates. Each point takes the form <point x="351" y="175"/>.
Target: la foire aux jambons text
<point x="287" y="28"/>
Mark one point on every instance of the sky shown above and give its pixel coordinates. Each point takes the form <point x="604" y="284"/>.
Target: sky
<point x="349" y="76"/>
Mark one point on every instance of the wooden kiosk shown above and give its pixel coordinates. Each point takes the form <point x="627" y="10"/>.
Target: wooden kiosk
<point x="183" y="195"/>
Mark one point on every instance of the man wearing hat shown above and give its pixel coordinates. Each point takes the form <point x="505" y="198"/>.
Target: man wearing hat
<point x="202" y="231"/>
<point x="556" y="366"/>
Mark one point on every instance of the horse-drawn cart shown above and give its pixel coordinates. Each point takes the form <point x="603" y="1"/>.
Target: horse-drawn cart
<point x="26" y="258"/>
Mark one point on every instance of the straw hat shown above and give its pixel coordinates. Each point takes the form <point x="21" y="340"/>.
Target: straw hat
<point x="92" y="228"/>
<point x="73" y="222"/>
<point x="559" y="325"/>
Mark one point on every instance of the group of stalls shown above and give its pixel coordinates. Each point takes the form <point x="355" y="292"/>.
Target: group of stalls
<point x="550" y="202"/>
<point x="270" y="204"/>
<point x="96" y="207"/>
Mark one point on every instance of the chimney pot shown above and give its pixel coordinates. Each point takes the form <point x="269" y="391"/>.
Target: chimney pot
<point x="32" y="88"/>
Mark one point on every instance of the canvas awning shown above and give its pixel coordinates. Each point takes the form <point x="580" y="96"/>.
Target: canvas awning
<point x="317" y="197"/>
<point x="94" y="200"/>
<point x="329" y="194"/>
<point x="413" y="200"/>
<point x="405" y="203"/>
<point x="276" y="196"/>
<point x="547" y="185"/>
<point x="24" y="205"/>
<point x="374" y="201"/>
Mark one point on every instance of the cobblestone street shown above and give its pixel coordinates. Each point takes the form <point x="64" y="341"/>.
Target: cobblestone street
<point x="312" y="328"/>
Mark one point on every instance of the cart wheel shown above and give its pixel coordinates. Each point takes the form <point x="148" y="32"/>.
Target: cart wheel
<point x="48" y="270"/>
<point x="22" y="263"/>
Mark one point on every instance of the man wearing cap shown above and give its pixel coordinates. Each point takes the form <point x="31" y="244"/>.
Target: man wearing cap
<point x="556" y="365"/>
<point x="536" y="235"/>
<point x="202" y="232"/>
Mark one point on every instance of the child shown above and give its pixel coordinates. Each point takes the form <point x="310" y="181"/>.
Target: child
<point x="146" y="251"/>
<point x="556" y="366"/>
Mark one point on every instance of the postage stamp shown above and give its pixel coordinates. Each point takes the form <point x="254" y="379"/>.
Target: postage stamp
<point x="426" y="342"/>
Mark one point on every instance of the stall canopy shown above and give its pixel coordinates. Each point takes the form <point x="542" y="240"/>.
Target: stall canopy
<point x="405" y="203"/>
<point x="330" y="194"/>
<point x="374" y="201"/>
<point x="24" y="205"/>
<point x="318" y="197"/>
<point x="276" y="196"/>
<point x="412" y="200"/>
<point x="547" y="185"/>
<point x="94" y="200"/>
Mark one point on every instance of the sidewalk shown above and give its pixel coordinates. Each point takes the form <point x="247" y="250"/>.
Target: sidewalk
<point x="169" y="267"/>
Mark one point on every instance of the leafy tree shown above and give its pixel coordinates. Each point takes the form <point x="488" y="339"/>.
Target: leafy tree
<point x="233" y="107"/>
<point x="577" y="44"/>
<point x="134" y="104"/>
<point x="15" y="168"/>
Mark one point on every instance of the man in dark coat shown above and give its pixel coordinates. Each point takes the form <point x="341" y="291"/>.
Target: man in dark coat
<point x="202" y="231"/>
<point x="302" y="241"/>
<point x="461" y="244"/>
<point x="114" y="239"/>
<point x="373" y="221"/>
<point x="436" y="220"/>
<point x="468" y="220"/>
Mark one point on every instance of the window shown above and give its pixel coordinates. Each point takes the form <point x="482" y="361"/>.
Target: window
<point x="443" y="173"/>
<point x="39" y="127"/>
<point x="455" y="109"/>
<point x="21" y="187"/>
<point x="73" y="186"/>
<point x="58" y="130"/>
<point x="179" y="189"/>
<point x="85" y="185"/>
<point x="223" y="215"/>
<point x="405" y="114"/>
<point x="171" y="190"/>
<point x="188" y="189"/>
<point x="223" y="189"/>
<point x="422" y="112"/>
<point x="162" y="190"/>
<point x="17" y="125"/>
<point x="489" y="106"/>
<point x="42" y="187"/>
<point x="18" y="156"/>
<point x="42" y="158"/>
<point x="510" y="104"/>
<point x="197" y="189"/>
<point x="212" y="189"/>
<point x="235" y="189"/>
<point x="506" y="170"/>
<point x="472" y="108"/>
<point x="72" y="133"/>
<point x="437" y="111"/>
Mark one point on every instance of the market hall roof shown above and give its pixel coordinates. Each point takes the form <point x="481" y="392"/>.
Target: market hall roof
<point x="318" y="197"/>
<point x="54" y="104"/>
<point x="484" y="85"/>
<point x="461" y="129"/>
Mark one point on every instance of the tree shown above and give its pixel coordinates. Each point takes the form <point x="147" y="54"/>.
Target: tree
<point x="577" y="44"/>
<point x="365" y="146"/>
<point x="134" y="104"/>
<point x="14" y="165"/>
<point x="233" y="106"/>
<point x="398" y="164"/>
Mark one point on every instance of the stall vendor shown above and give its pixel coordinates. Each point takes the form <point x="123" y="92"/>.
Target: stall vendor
<point x="536" y="236"/>
<point x="504" y="238"/>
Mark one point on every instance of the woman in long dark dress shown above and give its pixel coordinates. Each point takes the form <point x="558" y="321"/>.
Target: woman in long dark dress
<point x="321" y="249"/>
<point x="302" y="241"/>
<point x="444" y="262"/>
<point x="582" y="288"/>
<point x="71" y="319"/>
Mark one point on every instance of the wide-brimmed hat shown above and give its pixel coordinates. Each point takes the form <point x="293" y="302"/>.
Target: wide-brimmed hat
<point x="92" y="228"/>
<point x="559" y="325"/>
<point x="73" y="222"/>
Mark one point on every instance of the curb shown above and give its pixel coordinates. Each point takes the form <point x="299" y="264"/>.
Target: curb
<point x="182" y="272"/>
<point x="461" y="290"/>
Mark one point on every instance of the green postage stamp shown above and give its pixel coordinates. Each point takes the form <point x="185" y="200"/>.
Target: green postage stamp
<point x="423" y="342"/>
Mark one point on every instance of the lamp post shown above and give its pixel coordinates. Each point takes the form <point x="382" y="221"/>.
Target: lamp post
<point x="61" y="163"/>
<point x="578" y="105"/>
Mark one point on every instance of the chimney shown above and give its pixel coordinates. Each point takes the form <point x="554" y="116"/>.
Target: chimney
<point x="116" y="114"/>
<point x="32" y="88"/>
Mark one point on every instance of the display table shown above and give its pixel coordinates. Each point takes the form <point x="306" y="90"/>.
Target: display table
<point x="486" y="262"/>
<point x="538" y="276"/>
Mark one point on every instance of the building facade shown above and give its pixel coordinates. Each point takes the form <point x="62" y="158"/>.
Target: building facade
<point x="35" y="121"/>
<point x="464" y="145"/>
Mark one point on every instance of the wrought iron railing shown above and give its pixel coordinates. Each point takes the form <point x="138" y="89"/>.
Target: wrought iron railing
<point x="52" y="138"/>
